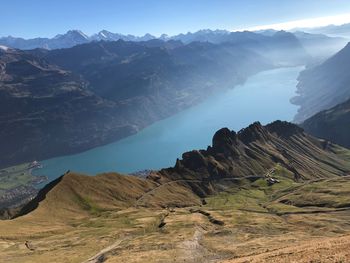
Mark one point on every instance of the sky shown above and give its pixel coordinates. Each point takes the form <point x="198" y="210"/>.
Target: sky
<point x="46" y="18"/>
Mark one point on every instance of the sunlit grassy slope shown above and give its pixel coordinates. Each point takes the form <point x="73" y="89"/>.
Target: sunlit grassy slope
<point x="246" y="220"/>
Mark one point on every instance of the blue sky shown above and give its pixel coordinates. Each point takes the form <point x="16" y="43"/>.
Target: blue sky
<point x="32" y="18"/>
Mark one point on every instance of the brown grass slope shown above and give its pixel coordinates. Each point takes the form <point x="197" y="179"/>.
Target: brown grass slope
<point x="75" y="195"/>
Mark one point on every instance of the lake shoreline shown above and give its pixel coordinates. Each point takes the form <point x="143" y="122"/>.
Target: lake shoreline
<point x="158" y="145"/>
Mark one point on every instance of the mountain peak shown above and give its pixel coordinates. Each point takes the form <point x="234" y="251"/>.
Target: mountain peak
<point x="253" y="132"/>
<point x="77" y="33"/>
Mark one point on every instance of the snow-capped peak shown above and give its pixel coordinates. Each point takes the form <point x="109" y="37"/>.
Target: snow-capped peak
<point x="102" y="34"/>
<point x="77" y="32"/>
<point x="4" y="48"/>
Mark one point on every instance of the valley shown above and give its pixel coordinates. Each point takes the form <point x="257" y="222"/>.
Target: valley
<point x="175" y="131"/>
<point x="18" y="186"/>
<point x="160" y="144"/>
<point x="263" y="194"/>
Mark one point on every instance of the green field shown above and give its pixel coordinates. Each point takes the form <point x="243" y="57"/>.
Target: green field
<point x="15" y="176"/>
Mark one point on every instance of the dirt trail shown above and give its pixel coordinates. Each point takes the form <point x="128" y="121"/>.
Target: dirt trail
<point x="191" y="250"/>
<point x="141" y="198"/>
<point x="102" y="255"/>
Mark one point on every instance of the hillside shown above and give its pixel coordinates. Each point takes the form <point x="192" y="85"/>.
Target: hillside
<point x="320" y="46"/>
<point x="331" y="124"/>
<point x="129" y="70"/>
<point x="266" y="207"/>
<point x="324" y="86"/>
<point x="73" y="195"/>
<point x="47" y="111"/>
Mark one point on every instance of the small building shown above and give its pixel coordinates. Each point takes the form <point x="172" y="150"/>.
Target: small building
<point x="35" y="164"/>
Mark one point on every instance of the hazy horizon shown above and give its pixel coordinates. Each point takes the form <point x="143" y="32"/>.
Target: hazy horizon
<point x="41" y="19"/>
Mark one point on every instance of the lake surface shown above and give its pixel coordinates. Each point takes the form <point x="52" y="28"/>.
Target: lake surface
<point x="264" y="97"/>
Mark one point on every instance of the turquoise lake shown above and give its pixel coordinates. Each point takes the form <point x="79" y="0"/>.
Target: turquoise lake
<point x="264" y="97"/>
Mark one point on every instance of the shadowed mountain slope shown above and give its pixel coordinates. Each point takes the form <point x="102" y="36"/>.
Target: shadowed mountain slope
<point x="48" y="111"/>
<point x="324" y="86"/>
<point x="332" y="124"/>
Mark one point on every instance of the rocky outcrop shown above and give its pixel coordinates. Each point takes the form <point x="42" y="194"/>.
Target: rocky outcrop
<point x="256" y="149"/>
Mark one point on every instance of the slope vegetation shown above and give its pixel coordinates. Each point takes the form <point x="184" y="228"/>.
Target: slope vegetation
<point x="265" y="194"/>
<point x="331" y="124"/>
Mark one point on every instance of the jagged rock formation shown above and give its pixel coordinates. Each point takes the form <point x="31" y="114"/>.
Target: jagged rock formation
<point x="256" y="149"/>
<point x="332" y="124"/>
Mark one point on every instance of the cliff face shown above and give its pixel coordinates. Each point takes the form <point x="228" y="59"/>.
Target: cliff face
<point x="332" y="124"/>
<point x="256" y="149"/>
<point x="324" y="86"/>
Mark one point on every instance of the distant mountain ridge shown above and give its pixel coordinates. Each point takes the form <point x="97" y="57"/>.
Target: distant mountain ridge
<point x="331" y="30"/>
<point x="69" y="39"/>
<point x="76" y="37"/>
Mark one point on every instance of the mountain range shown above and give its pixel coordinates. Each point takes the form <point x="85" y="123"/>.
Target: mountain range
<point x="318" y="45"/>
<point x="331" y="30"/>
